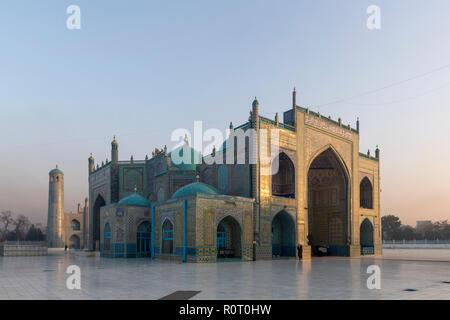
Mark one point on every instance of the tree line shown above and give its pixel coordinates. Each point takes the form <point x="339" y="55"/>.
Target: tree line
<point x="18" y="228"/>
<point x="393" y="229"/>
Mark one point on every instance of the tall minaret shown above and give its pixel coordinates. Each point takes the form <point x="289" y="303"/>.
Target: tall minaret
<point x="55" y="209"/>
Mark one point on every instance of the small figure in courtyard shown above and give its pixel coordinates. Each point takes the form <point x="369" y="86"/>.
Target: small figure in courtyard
<point x="299" y="251"/>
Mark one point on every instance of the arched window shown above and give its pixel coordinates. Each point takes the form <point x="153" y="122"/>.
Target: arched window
<point x="167" y="237"/>
<point x="143" y="239"/>
<point x="75" y="225"/>
<point x="283" y="181"/>
<point x="107" y="237"/>
<point x="366" y="194"/>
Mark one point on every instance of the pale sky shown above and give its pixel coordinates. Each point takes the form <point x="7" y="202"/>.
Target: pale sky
<point x="141" y="69"/>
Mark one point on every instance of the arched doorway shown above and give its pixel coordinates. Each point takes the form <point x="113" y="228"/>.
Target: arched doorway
<point x="167" y="237"/>
<point x="99" y="202"/>
<point x="74" y="242"/>
<point x="143" y="239"/>
<point x="229" y="239"/>
<point x="283" y="235"/>
<point x="366" y="237"/>
<point x="283" y="182"/>
<point x="328" y="205"/>
<point x="366" y="194"/>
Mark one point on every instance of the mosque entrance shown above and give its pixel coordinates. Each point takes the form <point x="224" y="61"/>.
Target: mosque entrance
<point x="366" y="237"/>
<point x="328" y="205"/>
<point x="229" y="239"/>
<point x="99" y="202"/>
<point x="283" y="235"/>
<point x="143" y="239"/>
<point x="74" y="242"/>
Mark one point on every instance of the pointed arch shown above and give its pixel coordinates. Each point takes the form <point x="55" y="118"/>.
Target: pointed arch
<point x="167" y="237"/>
<point x="366" y="194"/>
<point x="143" y="239"/>
<point x="75" y="225"/>
<point x="328" y="192"/>
<point x="283" y="235"/>
<point x="99" y="202"/>
<point x="336" y="153"/>
<point x="229" y="238"/>
<point x="366" y="237"/>
<point x="74" y="242"/>
<point x="283" y="182"/>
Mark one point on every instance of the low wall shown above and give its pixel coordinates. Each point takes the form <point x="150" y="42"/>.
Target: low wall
<point x="416" y="246"/>
<point x="20" y="249"/>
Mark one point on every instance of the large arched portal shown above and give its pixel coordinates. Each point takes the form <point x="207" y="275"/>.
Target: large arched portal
<point x="283" y="181"/>
<point x="229" y="238"/>
<point x="74" y="242"/>
<point x="283" y="235"/>
<point x="99" y="202"/>
<point x="328" y="205"/>
<point x="366" y="237"/>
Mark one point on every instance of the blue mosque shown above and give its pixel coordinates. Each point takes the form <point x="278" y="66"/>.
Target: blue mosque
<point x="325" y="194"/>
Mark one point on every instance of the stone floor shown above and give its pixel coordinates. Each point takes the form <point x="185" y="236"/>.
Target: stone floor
<point x="320" y="278"/>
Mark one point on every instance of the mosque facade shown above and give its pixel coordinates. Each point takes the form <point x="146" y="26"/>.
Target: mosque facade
<point x="323" y="197"/>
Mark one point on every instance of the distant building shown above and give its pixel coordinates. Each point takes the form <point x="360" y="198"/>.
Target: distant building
<point x="64" y="228"/>
<point x="423" y="223"/>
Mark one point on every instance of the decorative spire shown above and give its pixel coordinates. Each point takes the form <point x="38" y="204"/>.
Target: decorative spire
<point x="231" y="125"/>
<point x="186" y="140"/>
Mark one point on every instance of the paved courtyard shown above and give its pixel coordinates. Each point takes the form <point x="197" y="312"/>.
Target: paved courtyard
<point x="320" y="278"/>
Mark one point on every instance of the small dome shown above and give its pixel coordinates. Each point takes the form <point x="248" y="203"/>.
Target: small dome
<point x="194" y="188"/>
<point x="255" y="102"/>
<point x="55" y="171"/>
<point x="135" y="200"/>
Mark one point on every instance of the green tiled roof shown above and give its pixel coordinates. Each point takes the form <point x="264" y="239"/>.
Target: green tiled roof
<point x="135" y="200"/>
<point x="194" y="188"/>
<point x="56" y="171"/>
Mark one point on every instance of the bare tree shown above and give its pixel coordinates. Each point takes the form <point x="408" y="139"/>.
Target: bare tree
<point x="21" y="226"/>
<point x="6" y="220"/>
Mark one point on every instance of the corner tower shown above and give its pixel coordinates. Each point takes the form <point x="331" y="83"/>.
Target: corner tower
<point x="55" y="209"/>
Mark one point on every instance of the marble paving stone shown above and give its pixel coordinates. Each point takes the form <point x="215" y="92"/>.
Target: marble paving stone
<point x="143" y="278"/>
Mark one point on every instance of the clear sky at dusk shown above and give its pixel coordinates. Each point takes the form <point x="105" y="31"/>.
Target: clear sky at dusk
<point x="140" y="69"/>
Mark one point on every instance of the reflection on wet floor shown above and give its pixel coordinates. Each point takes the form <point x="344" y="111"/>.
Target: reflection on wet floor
<point x="143" y="278"/>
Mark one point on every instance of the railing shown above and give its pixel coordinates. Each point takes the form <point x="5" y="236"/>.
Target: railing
<point x="367" y="250"/>
<point x="24" y="243"/>
<point x="424" y="241"/>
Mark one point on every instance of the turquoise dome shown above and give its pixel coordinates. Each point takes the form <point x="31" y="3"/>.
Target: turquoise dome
<point x="135" y="200"/>
<point x="191" y="166"/>
<point x="194" y="188"/>
<point x="55" y="171"/>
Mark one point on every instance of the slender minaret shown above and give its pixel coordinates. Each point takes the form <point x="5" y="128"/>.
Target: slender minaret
<point x="114" y="151"/>
<point x="55" y="209"/>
